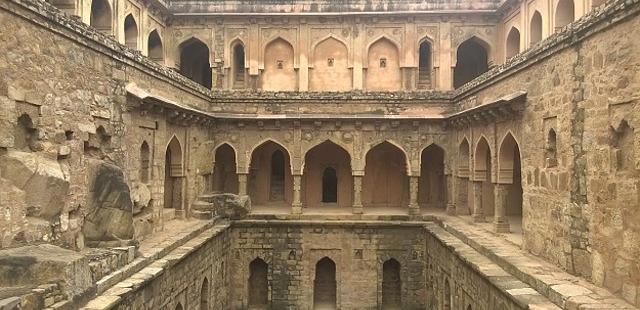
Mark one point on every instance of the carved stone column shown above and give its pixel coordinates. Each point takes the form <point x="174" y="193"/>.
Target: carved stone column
<point x="357" y="194"/>
<point x="462" y="195"/>
<point x="296" y="205"/>
<point x="242" y="184"/>
<point x="500" y="221"/>
<point x="451" y="193"/>
<point x="414" y="208"/>
<point x="478" y="215"/>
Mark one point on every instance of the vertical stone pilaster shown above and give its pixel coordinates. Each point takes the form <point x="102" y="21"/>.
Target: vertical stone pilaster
<point x="478" y="214"/>
<point x="500" y="221"/>
<point x="357" y="194"/>
<point x="242" y="184"/>
<point x="296" y="205"/>
<point x="414" y="208"/>
<point x="451" y="193"/>
<point x="462" y="196"/>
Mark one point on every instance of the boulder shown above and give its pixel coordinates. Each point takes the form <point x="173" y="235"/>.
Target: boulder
<point x="109" y="205"/>
<point x="225" y="205"/>
<point x="44" y="181"/>
<point x="141" y="196"/>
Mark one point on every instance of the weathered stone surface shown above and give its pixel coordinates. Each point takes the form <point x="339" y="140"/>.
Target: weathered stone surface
<point x="109" y="206"/>
<point x="141" y="197"/>
<point x="45" y="181"/>
<point x="42" y="264"/>
<point x="226" y="205"/>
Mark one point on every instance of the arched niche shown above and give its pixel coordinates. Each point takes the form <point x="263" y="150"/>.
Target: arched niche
<point x="194" y="62"/>
<point x="512" y="47"/>
<point x="155" y="48"/>
<point x="279" y="71"/>
<point x="101" y="16"/>
<point x="317" y="176"/>
<point x="270" y="180"/>
<point x="131" y="32"/>
<point x="383" y="66"/>
<point x="472" y="59"/>
<point x="330" y="67"/>
<point x="385" y="183"/>
<point x="535" y="28"/>
<point x="431" y="184"/>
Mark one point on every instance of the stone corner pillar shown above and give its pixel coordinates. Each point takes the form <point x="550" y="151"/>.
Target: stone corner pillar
<point x="242" y="183"/>
<point x="451" y="190"/>
<point x="414" y="208"/>
<point x="500" y="220"/>
<point x="296" y="205"/>
<point x="478" y="215"/>
<point x="357" y="195"/>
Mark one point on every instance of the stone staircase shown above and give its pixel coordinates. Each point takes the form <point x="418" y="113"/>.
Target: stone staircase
<point x="239" y="82"/>
<point x="277" y="190"/>
<point x="424" y="78"/>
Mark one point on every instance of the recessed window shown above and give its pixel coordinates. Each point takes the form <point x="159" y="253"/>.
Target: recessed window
<point x="279" y="64"/>
<point x="383" y="62"/>
<point x="330" y="62"/>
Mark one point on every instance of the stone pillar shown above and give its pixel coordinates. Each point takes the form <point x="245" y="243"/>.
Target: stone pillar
<point x="478" y="215"/>
<point x="500" y="221"/>
<point x="451" y="193"/>
<point x="242" y="184"/>
<point x="462" y="195"/>
<point x="357" y="194"/>
<point x="296" y="205"/>
<point x="414" y="208"/>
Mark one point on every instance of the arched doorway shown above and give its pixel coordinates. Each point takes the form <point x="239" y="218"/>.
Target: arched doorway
<point x="383" y="66"/>
<point x="330" y="70"/>
<point x="462" y="203"/>
<point x="483" y="198"/>
<point x="155" y="49"/>
<point x="324" y="285"/>
<point x="173" y="174"/>
<point x="424" y="65"/>
<point x="204" y="295"/>
<point x="431" y="185"/>
<point x="513" y="43"/>
<point x="385" y="183"/>
<point x="391" y="285"/>
<point x="225" y="178"/>
<point x="130" y="32"/>
<point x="238" y="68"/>
<point x="194" y="62"/>
<point x="472" y="61"/>
<point x="535" y="31"/>
<point x="145" y="162"/>
<point x="509" y="187"/>
<point x="327" y="179"/>
<point x="258" y="284"/>
<point x="279" y="71"/>
<point x="270" y="181"/>
<point x="101" y="16"/>
<point x="565" y="14"/>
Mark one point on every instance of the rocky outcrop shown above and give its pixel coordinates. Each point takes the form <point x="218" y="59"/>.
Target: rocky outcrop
<point x="45" y="181"/>
<point x="109" y="205"/>
<point x="224" y="205"/>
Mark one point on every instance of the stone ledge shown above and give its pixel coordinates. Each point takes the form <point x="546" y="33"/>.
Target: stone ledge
<point x="563" y="289"/>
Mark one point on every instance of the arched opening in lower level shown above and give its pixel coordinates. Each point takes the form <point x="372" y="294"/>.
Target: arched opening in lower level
<point x="258" y="284"/>
<point x="391" y="285"/>
<point x="324" y="285"/>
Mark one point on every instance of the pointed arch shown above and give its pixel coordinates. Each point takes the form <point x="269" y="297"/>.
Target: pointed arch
<point x="101" y="16"/>
<point x="463" y="158"/>
<point x="145" y="162"/>
<point x="482" y="160"/>
<point x="155" y="48"/>
<point x="509" y="197"/>
<point x="179" y="306"/>
<point x="535" y="28"/>
<point x="426" y="59"/>
<point x="385" y="182"/>
<point x="327" y="176"/>
<point x="131" y="32"/>
<point x="383" y="65"/>
<point x="204" y="294"/>
<point x="512" y="46"/>
<point x="330" y="66"/>
<point x="258" y="284"/>
<point x="173" y="175"/>
<point x="431" y="184"/>
<point x="225" y="178"/>
<point x="391" y="285"/>
<point x="279" y="72"/>
<point x="325" y="284"/>
<point x="270" y="177"/>
<point x="506" y="158"/>
<point x="238" y="63"/>
<point x="564" y="13"/>
<point x="314" y="46"/>
<point x="195" y="61"/>
<point x="472" y="60"/>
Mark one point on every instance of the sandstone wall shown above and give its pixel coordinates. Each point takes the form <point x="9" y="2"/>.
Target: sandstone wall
<point x="358" y="251"/>
<point x="580" y="202"/>
<point x="65" y="112"/>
